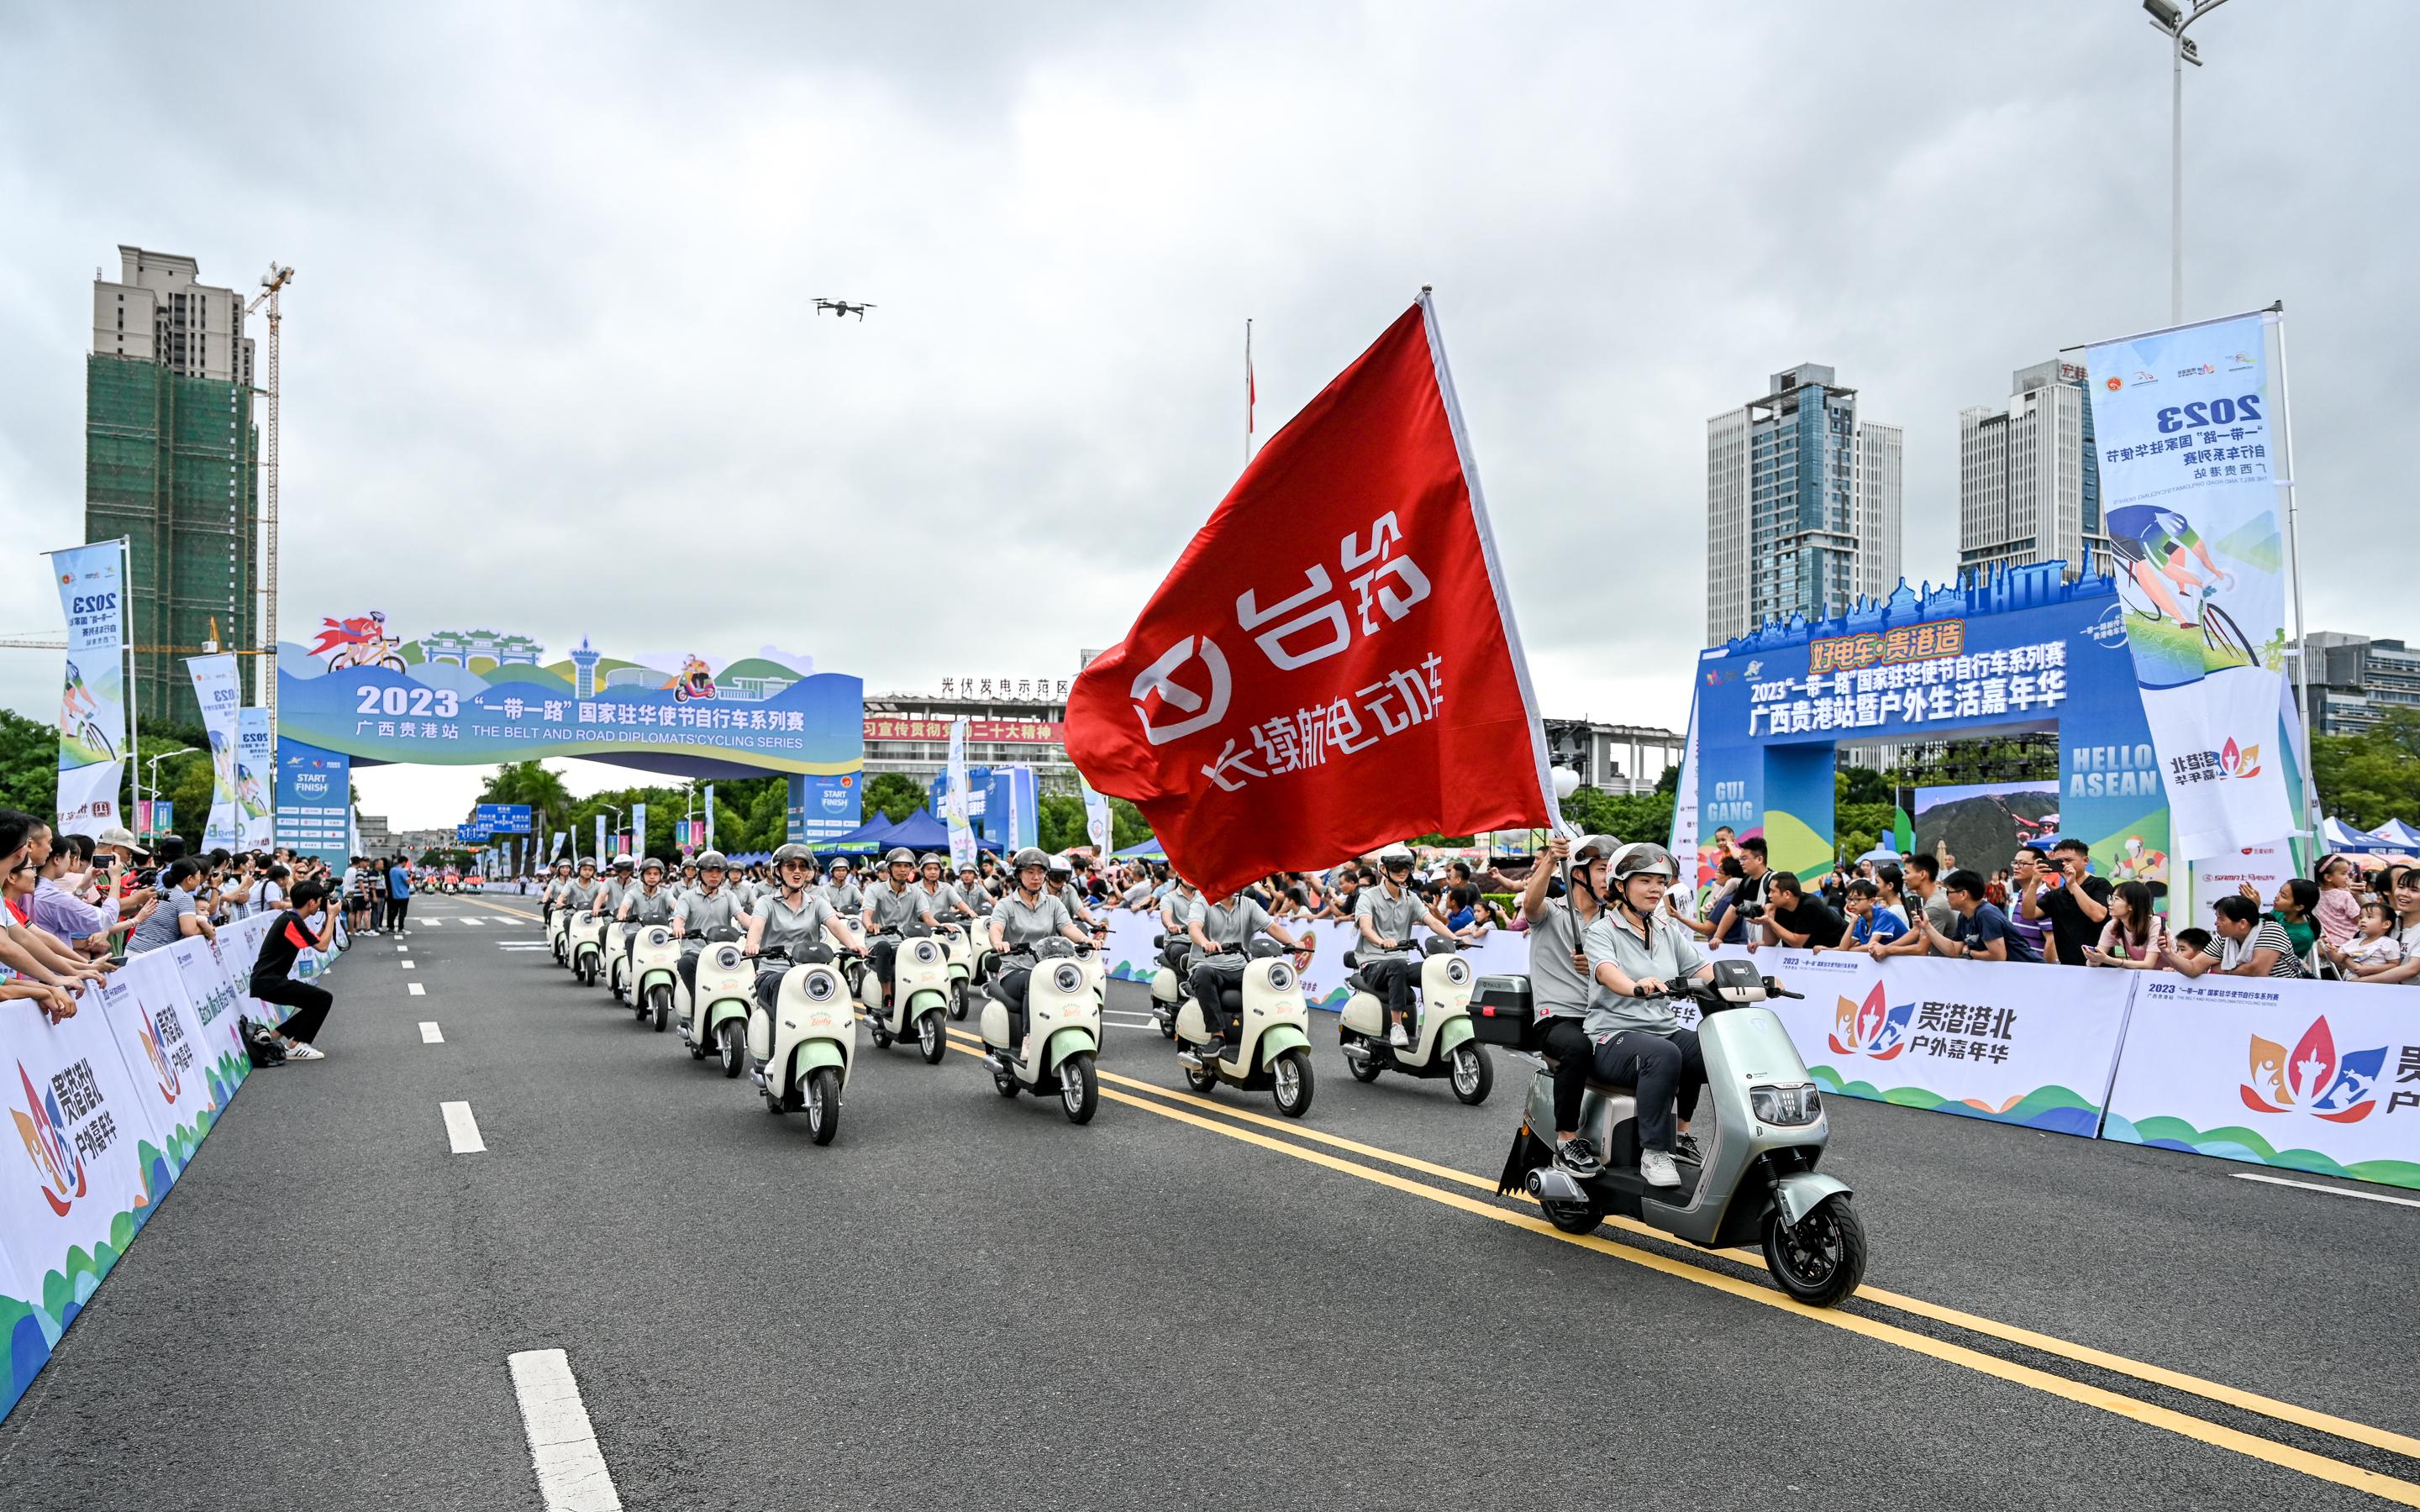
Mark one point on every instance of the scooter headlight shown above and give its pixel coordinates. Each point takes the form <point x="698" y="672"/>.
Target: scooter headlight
<point x="726" y="958"/>
<point x="926" y="952"/>
<point x="1786" y="1107"/>
<point x="1280" y="977"/>
<point x="658" y="937"/>
<point x="1456" y="973"/>
<point x="819" y="985"/>
<point x="1067" y="978"/>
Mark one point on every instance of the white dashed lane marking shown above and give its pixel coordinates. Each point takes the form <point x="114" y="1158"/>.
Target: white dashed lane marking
<point x="430" y="1033"/>
<point x="413" y="988"/>
<point x="461" y="1129"/>
<point x="571" y="1474"/>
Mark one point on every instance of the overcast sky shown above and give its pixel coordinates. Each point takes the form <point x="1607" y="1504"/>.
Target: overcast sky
<point x="551" y="362"/>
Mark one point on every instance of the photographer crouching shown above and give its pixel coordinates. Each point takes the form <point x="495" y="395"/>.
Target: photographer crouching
<point x="309" y="924"/>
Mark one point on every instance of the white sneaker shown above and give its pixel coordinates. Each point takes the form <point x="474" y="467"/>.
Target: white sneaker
<point x="1396" y="1037"/>
<point x="297" y="1050"/>
<point x="1655" y="1168"/>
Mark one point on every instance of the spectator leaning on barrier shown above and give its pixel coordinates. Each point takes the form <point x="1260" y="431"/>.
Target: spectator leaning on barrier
<point x="1870" y="925"/>
<point x="2400" y="885"/>
<point x="308" y="925"/>
<point x="178" y="914"/>
<point x="1793" y="919"/>
<point x="2026" y="870"/>
<point x="2134" y="937"/>
<point x="2061" y="891"/>
<point x="1980" y="931"/>
<point x="2248" y="944"/>
<point x="1746" y="904"/>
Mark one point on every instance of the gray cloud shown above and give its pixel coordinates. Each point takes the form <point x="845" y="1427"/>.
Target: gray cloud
<point x="553" y="364"/>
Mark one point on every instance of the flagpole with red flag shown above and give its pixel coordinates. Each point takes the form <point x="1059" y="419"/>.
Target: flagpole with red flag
<point x="1332" y="664"/>
<point x="1251" y="393"/>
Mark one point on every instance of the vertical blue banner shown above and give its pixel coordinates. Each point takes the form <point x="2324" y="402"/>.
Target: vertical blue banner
<point x="315" y="802"/>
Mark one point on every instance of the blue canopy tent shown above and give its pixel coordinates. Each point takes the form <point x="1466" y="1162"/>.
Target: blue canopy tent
<point x="2396" y="833"/>
<point x="920" y="832"/>
<point x="2338" y="838"/>
<point x="1144" y="850"/>
<point x="865" y="837"/>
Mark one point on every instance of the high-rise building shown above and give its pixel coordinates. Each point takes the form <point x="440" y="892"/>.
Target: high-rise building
<point x="2029" y="475"/>
<point x="172" y="462"/>
<point x="2356" y="680"/>
<point x="1802" y="505"/>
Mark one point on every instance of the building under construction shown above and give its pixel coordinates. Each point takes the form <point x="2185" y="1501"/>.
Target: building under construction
<point x="172" y="462"/>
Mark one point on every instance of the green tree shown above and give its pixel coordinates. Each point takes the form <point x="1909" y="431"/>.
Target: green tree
<point x="29" y="765"/>
<point x="894" y="795"/>
<point x="2368" y="778"/>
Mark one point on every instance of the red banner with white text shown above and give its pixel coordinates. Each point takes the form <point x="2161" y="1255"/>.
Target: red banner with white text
<point x="1332" y="664"/>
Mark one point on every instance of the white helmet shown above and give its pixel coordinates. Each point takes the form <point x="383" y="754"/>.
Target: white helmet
<point x="1642" y="859"/>
<point x="1395" y="858"/>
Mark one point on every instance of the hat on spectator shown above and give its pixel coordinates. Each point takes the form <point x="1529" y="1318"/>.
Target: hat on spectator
<point x="119" y="835"/>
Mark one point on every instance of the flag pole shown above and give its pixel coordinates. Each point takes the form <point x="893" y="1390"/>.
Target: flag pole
<point x="1248" y="390"/>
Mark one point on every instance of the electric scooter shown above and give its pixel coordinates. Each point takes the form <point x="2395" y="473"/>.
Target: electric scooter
<point x="655" y="974"/>
<point x="1757" y="1181"/>
<point x="919" y="995"/>
<point x="1441" y="1041"/>
<point x="587" y="937"/>
<point x="558" y="933"/>
<point x="715" y="1015"/>
<point x="617" y="958"/>
<point x="1168" y="994"/>
<point x="957" y="939"/>
<point x="801" y="1041"/>
<point x="1273" y="1052"/>
<point x="1063" y="1034"/>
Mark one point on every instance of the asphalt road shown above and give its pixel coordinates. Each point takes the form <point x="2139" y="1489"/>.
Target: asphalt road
<point x="966" y="1302"/>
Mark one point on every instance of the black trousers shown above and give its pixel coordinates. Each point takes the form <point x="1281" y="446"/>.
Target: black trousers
<point x="1394" y="976"/>
<point x="1574" y="1057"/>
<point x="1011" y="993"/>
<point x="1213" y="975"/>
<point x="395" y="910"/>
<point x="310" y="1005"/>
<point x="1657" y="1066"/>
<point x="878" y="958"/>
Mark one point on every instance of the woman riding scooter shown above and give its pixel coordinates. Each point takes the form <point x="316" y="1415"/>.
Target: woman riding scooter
<point x="1633" y="952"/>
<point x="709" y="905"/>
<point x="793" y="921"/>
<point x="1559" y="982"/>
<point x="646" y="904"/>
<point x="1019" y="922"/>
<point x="891" y="905"/>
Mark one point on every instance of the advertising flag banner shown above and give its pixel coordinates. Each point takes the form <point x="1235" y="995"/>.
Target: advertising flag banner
<point x="256" y="765"/>
<point x="2303" y="1075"/>
<point x="954" y="810"/>
<point x="92" y="703"/>
<point x="638" y="829"/>
<point x="1685" y="847"/>
<point x="219" y="690"/>
<point x="1332" y="663"/>
<point x="601" y="857"/>
<point x="1096" y="818"/>
<point x="2185" y="421"/>
<point x="556" y="848"/>
<point x="709" y="816"/>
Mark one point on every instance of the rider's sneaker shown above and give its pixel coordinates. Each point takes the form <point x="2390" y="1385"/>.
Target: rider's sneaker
<point x="1685" y="1146"/>
<point x="1576" y="1156"/>
<point x="1396" y="1037"/>
<point x="1655" y="1168"/>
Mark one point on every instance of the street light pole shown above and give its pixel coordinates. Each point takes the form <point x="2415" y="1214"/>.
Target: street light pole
<point x="2168" y="19"/>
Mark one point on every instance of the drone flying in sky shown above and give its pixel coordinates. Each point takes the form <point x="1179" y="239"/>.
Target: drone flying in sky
<point x="842" y="308"/>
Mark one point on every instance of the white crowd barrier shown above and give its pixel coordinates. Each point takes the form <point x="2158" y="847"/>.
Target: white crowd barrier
<point x="109" y="1107"/>
<point x="2315" y="1076"/>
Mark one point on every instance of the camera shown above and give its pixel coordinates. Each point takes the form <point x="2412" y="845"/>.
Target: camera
<point x="1751" y="912"/>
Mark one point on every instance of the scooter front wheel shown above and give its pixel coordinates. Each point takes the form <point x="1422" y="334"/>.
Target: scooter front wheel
<point x="1079" y="1088"/>
<point x="587" y="974"/>
<point x="735" y="1047"/>
<point x="1473" y="1074"/>
<point x="1820" y="1258"/>
<point x="823" y="1104"/>
<point x="660" y="1001"/>
<point x="957" y="999"/>
<point x="1290" y="1079"/>
<point x="930" y="1037"/>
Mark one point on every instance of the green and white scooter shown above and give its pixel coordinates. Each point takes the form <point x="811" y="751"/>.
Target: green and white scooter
<point x="1272" y="1051"/>
<point x="714" y="1017"/>
<point x="1063" y="1033"/>
<point x="1442" y="1044"/>
<point x="802" y="1042"/>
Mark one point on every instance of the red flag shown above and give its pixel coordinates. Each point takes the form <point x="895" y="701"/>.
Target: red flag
<point x="1332" y="664"/>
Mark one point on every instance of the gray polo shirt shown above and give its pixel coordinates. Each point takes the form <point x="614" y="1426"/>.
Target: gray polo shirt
<point x="845" y="898"/>
<point x="939" y="900"/>
<point x="1667" y="953"/>
<point x="1234" y="923"/>
<point x="894" y="910"/>
<point x="1556" y="988"/>
<point x="646" y="908"/>
<point x="161" y="927"/>
<point x="700" y="910"/>
<point x="1023" y="924"/>
<point x="1392" y="918"/>
<point x="793" y="929"/>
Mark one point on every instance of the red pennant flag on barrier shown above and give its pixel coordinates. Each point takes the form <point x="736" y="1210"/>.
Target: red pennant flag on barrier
<point x="1332" y="664"/>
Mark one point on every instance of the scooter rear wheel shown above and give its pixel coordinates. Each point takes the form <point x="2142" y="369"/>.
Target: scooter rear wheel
<point x="1366" y="1069"/>
<point x="1820" y="1259"/>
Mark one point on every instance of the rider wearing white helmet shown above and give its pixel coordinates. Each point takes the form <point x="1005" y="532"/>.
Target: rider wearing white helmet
<point x="1635" y="950"/>
<point x="893" y="904"/>
<point x="607" y="901"/>
<point x="1385" y="914"/>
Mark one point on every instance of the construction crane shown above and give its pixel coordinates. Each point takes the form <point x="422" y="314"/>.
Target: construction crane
<point x="271" y="281"/>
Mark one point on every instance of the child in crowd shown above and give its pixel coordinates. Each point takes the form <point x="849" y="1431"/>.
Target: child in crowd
<point x="1868" y="922"/>
<point x="2373" y="948"/>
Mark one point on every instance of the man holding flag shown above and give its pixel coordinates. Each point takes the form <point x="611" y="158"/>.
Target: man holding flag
<point x="1332" y="664"/>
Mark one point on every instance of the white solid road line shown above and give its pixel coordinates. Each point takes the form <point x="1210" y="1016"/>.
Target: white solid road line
<point x="571" y="1474"/>
<point x="430" y="1033"/>
<point x="413" y="988"/>
<point x="2332" y="1191"/>
<point x="462" y="1128"/>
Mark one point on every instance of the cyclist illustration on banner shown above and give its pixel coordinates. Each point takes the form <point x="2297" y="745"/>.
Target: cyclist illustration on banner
<point x="360" y="641"/>
<point x="2165" y="567"/>
<point x="80" y="715"/>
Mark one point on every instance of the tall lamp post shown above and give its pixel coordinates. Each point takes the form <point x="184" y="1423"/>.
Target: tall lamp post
<point x="152" y="764"/>
<point x="2174" y="20"/>
<point x="617" y="831"/>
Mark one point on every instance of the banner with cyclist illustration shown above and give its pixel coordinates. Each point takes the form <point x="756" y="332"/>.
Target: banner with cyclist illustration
<point x="255" y="775"/>
<point x="219" y="690"/>
<point x="92" y="703"/>
<point x="2188" y="423"/>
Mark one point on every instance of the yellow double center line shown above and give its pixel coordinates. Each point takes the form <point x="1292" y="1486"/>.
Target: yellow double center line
<point x="1236" y="1123"/>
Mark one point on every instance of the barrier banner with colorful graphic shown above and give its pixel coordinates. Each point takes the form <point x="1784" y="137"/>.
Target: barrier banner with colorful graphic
<point x="2305" y="1075"/>
<point x="168" y="1058"/>
<point x="92" y="702"/>
<point x="212" y="997"/>
<point x="1980" y="1039"/>
<point x="2187" y="422"/>
<point x="256" y="775"/>
<point x="79" y="1179"/>
<point x="219" y="690"/>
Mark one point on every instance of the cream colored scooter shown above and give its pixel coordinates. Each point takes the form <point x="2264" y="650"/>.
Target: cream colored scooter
<point x="801" y="1041"/>
<point x="1063" y="1034"/>
<point x="1442" y="1044"/>
<point x="617" y="958"/>
<point x="957" y="939"/>
<point x="715" y="1016"/>
<point x="919" y="995"/>
<point x="1168" y="992"/>
<point x="655" y="972"/>
<point x="1273" y="1052"/>
<point x="587" y="937"/>
<point x="558" y="935"/>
